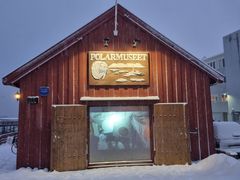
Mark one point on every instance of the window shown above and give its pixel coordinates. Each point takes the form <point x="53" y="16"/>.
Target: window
<point x="119" y="133"/>
<point x="213" y="65"/>
<point x="214" y="98"/>
<point x="223" y="62"/>
<point x="236" y="115"/>
<point x="225" y="116"/>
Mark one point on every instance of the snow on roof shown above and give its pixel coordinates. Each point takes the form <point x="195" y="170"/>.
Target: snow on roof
<point x="217" y="166"/>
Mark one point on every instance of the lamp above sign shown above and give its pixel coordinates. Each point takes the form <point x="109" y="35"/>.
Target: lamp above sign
<point x="118" y="68"/>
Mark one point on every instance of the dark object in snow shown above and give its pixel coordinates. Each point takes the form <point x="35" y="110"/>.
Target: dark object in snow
<point x="14" y="144"/>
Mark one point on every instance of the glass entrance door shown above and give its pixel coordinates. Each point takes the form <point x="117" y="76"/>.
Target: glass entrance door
<point x="119" y="133"/>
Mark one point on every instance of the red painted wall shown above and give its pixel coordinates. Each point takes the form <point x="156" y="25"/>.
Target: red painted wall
<point x="172" y="78"/>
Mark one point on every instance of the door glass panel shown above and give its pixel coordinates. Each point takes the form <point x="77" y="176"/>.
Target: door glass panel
<point x="119" y="133"/>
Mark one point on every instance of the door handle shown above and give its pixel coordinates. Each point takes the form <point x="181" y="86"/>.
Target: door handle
<point x="194" y="131"/>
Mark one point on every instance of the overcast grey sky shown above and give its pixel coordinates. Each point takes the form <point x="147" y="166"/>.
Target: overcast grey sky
<point x="29" y="27"/>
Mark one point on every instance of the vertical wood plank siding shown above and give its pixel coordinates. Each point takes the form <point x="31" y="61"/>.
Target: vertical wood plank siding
<point x="172" y="78"/>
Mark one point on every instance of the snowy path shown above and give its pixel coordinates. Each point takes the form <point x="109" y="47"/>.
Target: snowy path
<point x="218" y="166"/>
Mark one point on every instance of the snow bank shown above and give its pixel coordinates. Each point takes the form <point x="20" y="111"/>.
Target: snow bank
<point x="217" y="166"/>
<point x="7" y="159"/>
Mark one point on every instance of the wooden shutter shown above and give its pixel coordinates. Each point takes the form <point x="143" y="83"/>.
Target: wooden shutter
<point x="68" y="138"/>
<point x="171" y="137"/>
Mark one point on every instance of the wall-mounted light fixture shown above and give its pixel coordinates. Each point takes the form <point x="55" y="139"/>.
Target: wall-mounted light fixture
<point x="135" y="42"/>
<point x="17" y="96"/>
<point x="106" y="41"/>
<point x="224" y="97"/>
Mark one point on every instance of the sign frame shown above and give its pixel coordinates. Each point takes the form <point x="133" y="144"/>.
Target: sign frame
<point x="118" y="68"/>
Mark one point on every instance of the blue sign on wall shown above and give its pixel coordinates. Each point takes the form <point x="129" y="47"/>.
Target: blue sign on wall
<point x="43" y="90"/>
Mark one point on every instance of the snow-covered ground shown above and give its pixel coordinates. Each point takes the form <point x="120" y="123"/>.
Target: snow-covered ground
<point x="217" y="166"/>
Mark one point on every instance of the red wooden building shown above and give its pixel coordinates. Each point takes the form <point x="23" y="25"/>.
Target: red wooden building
<point x="100" y="98"/>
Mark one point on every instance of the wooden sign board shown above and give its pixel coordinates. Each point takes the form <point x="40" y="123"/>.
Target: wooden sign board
<point x="118" y="68"/>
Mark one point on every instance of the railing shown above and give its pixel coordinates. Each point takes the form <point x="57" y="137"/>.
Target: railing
<point x="3" y="137"/>
<point x="8" y="127"/>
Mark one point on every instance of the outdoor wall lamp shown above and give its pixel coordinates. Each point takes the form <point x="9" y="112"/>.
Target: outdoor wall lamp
<point x="17" y="96"/>
<point x="224" y="95"/>
<point x="135" y="42"/>
<point x="106" y="41"/>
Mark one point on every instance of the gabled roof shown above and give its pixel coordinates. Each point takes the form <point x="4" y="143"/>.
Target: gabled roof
<point x="14" y="77"/>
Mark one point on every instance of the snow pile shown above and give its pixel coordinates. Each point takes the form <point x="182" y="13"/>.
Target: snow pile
<point x="217" y="166"/>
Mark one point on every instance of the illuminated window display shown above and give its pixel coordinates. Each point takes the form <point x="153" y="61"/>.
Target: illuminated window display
<point x="119" y="133"/>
